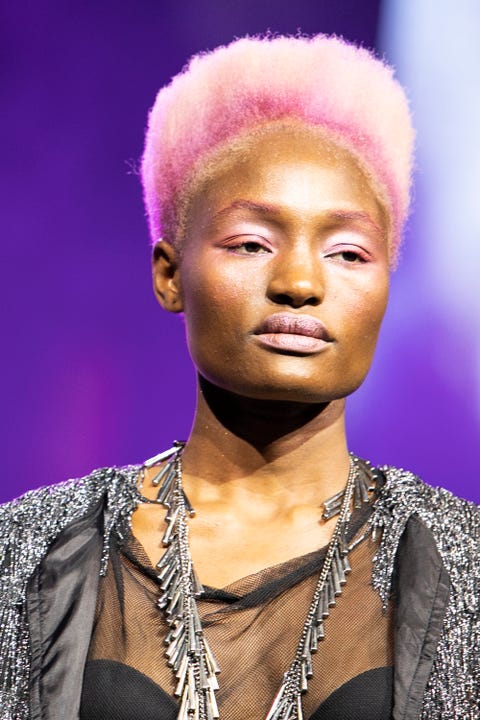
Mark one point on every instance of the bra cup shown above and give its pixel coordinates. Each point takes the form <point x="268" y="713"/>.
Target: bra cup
<point x="365" y="697"/>
<point x="113" y="691"/>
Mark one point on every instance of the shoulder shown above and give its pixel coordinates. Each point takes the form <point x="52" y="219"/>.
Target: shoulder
<point x="405" y="493"/>
<point x="55" y="504"/>
<point x="454" y="524"/>
<point x="31" y="522"/>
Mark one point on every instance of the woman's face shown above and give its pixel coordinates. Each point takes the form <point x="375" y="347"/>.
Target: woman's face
<point x="283" y="278"/>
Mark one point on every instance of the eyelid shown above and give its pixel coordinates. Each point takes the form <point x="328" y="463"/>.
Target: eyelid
<point x="347" y="246"/>
<point x="348" y="240"/>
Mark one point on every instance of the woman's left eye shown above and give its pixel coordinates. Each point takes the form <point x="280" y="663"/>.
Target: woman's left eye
<point x="352" y="256"/>
<point x="349" y="256"/>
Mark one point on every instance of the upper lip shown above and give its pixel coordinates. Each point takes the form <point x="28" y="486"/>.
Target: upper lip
<point x="292" y="324"/>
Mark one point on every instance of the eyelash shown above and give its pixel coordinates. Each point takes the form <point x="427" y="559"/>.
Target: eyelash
<point x="243" y="244"/>
<point x="358" y="257"/>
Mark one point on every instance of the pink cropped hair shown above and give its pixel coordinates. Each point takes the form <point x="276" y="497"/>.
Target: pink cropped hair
<point x="322" y="82"/>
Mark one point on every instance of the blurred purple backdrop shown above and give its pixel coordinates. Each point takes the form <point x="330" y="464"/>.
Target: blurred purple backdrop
<point x="93" y="372"/>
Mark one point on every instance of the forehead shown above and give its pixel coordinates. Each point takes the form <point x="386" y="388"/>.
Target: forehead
<point x="290" y="168"/>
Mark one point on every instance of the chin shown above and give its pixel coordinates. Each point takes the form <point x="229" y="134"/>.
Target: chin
<point x="293" y="392"/>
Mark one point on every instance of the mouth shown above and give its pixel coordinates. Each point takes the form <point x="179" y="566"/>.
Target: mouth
<point x="302" y="334"/>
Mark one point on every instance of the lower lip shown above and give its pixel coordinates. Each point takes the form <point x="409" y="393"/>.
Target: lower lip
<point x="292" y="343"/>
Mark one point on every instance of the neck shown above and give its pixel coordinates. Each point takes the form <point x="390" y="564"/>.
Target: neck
<point x="287" y="452"/>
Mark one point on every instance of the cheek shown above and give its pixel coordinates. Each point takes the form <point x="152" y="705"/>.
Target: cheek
<point x="216" y="310"/>
<point x="212" y="284"/>
<point x="210" y="295"/>
<point x="365" y="321"/>
<point x="362" y="303"/>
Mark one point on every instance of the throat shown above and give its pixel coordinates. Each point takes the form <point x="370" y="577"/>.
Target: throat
<point x="263" y="424"/>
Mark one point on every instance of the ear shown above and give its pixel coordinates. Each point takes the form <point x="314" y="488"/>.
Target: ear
<point x="166" y="276"/>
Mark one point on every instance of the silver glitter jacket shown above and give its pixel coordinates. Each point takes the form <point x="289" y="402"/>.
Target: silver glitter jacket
<point x="54" y="546"/>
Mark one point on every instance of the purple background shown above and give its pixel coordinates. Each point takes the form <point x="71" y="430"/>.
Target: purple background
<point x="93" y="372"/>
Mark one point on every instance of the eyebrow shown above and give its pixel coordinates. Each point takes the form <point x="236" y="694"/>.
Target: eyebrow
<point x="349" y="216"/>
<point x="343" y="217"/>
<point x="260" y="208"/>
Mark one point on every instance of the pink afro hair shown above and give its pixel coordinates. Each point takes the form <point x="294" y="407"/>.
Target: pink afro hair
<point x="321" y="81"/>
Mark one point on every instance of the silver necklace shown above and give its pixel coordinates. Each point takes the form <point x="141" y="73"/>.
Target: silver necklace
<point x="188" y="652"/>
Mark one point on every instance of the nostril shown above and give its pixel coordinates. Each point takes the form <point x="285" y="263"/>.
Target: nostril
<point x="282" y="299"/>
<point x="295" y="300"/>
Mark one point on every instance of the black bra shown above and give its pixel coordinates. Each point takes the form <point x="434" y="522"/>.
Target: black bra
<point x="113" y="691"/>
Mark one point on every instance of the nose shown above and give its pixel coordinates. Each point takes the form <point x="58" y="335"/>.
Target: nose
<point x="297" y="278"/>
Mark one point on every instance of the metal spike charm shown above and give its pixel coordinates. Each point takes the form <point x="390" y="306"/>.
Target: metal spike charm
<point x="339" y="566"/>
<point x="167" y="489"/>
<point x="278" y="704"/>
<point x="332" y="505"/>
<point x="162" y="456"/>
<point x="363" y="485"/>
<point x="346" y="564"/>
<point x="360" y="494"/>
<point x="160" y="476"/>
<point x="299" y="708"/>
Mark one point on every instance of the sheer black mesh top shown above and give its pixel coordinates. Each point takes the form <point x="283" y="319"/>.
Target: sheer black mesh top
<point x="253" y="627"/>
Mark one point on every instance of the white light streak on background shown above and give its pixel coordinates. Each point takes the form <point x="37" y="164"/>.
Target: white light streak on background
<point x="435" y="46"/>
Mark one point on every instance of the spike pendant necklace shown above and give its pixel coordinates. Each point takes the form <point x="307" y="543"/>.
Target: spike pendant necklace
<point x="188" y="652"/>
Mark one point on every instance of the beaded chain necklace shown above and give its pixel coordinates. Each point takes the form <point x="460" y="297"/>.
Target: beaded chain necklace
<point x="188" y="652"/>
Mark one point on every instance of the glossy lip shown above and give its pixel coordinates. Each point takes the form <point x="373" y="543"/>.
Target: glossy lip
<point x="302" y="334"/>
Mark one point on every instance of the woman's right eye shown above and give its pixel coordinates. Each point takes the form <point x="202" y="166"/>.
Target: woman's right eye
<point x="251" y="248"/>
<point x="247" y="247"/>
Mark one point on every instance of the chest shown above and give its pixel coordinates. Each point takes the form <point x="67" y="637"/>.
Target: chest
<point x="225" y="548"/>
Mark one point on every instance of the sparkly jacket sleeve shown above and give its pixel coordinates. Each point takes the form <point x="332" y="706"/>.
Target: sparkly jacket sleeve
<point x="29" y="527"/>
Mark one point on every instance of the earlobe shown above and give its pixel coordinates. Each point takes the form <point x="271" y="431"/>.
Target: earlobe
<point x="166" y="276"/>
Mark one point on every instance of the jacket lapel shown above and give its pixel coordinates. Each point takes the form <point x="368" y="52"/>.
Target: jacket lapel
<point x="61" y="602"/>
<point x="421" y="593"/>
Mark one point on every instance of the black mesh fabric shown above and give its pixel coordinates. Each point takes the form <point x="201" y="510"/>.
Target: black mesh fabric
<point x="253" y="627"/>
